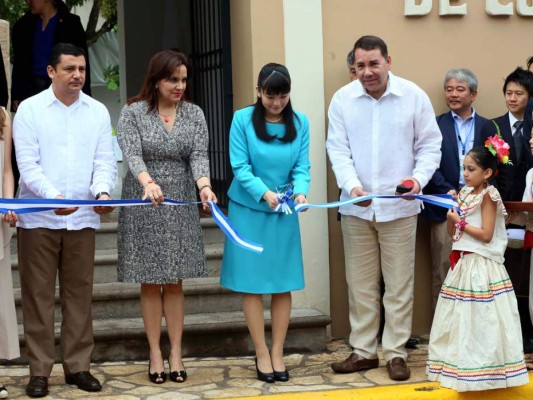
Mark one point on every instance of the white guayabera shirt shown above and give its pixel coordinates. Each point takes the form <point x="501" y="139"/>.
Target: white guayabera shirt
<point x="375" y="144"/>
<point x="63" y="150"/>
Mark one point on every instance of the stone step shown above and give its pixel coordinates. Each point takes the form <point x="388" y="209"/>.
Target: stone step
<point x="105" y="264"/>
<point x="121" y="300"/>
<point x="205" y="335"/>
<point x="106" y="236"/>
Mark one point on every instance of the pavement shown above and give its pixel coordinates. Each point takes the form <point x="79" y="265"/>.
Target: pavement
<point x="235" y="378"/>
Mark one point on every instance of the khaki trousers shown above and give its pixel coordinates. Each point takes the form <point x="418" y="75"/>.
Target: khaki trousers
<point x="372" y="249"/>
<point x="43" y="254"/>
<point x="441" y="247"/>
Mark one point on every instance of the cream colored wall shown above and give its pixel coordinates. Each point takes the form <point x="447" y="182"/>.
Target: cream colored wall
<point x="304" y="59"/>
<point x="4" y="42"/>
<point x="422" y="50"/>
<point x="257" y="38"/>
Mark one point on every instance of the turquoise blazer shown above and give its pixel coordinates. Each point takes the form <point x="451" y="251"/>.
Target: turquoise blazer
<point x="260" y="166"/>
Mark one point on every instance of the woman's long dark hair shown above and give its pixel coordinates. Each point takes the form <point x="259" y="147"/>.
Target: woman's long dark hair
<point x="162" y="65"/>
<point x="274" y="79"/>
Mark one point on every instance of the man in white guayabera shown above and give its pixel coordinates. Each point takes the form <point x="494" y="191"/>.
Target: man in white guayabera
<point x="382" y="139"/>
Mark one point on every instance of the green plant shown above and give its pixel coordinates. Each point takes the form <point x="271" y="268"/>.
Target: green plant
<point x="112" y="77"/>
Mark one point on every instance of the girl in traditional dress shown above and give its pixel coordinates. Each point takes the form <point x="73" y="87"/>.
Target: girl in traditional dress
<point x="476" y="340"/>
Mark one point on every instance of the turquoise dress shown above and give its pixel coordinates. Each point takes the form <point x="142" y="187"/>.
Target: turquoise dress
<point x="259" y="166"/>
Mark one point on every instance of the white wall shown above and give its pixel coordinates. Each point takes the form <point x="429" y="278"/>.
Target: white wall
<point x="304" y="59"/>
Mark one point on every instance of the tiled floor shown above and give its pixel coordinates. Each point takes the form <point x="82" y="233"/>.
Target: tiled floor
<point x="218" y="377"/>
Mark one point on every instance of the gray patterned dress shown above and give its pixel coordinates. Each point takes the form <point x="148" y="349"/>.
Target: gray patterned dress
<point x="162" y="244"/>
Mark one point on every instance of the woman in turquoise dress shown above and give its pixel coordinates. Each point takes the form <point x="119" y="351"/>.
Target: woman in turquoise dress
<point x="269" y="152"/>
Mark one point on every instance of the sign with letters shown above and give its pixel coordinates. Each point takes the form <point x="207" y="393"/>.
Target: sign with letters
<point x="492" y="7"/>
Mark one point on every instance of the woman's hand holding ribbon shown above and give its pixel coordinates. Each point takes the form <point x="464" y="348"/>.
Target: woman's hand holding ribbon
<point x="271" y="198"/>
<point x="153" y="192"/>
<point x="300" y="199"/>
<point x="206" y="194"/>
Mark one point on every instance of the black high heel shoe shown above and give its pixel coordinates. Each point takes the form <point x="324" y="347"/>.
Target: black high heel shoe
<point x="281" y="376"/>
<point x="177" y="376"/>
<point x="268" y="378"/>
<point x="157" y="377"/>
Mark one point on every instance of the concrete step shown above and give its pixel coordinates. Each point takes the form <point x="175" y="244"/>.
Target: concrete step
<point x="105" y="264"/>
<point x="121" y="300"/>
<point x="106" y="236"/>
<point x="205" y="335"/>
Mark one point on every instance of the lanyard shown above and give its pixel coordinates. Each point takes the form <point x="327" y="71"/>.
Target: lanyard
<point x="468" y="135"/>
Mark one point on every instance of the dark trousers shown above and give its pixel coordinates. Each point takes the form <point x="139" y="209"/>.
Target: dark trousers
<point x="43" y="254"/>
<point x="517" y="264"/>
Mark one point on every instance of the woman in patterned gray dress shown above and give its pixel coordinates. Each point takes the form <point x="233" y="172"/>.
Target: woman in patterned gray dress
<point x="164" y="140"/>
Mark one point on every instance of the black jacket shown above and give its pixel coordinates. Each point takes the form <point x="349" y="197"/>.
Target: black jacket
<point x="446" y="177"/>
<point x="511" y="180"/>
<point x="68" y="30"/>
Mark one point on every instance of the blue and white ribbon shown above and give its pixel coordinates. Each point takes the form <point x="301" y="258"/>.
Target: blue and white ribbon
<point x="26" y="206"/>
<point x="285" y="202"/>
<point x="441" y="200"/>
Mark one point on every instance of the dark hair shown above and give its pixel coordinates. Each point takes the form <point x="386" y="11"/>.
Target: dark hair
<point x="370" y="42"/>
<point x="60" y="49"/>
<point x="529" y="62"/>
<point x="60" y="6"/>
<point x="484" y="158"/>
<point x="161" y="66"/>
<point x="350" y="58"/>
<point x="274" y="79"/>
<point x="521" y="77"/>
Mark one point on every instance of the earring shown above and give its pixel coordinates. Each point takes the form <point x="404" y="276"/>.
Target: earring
<point x="157" y="87"/>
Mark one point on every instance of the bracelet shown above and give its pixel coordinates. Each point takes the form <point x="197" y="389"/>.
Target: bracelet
<point x="461" y="225"/>
<point x="150" y="181"/>
<point x="101" y="194"/>
<point x="204" y="186"/>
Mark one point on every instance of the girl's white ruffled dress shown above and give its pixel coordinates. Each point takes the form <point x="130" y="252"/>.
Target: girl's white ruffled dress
<point x="476" y="339"/>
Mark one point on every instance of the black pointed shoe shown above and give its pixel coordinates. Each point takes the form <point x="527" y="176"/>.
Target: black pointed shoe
<point x="84" y="381"/>
<point x="268" y="377"/>
<point x="281" y="376"/>
<point x="37" y="386"/>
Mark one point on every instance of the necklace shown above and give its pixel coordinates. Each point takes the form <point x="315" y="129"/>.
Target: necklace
<point x="166" y="117"/>
<point x="273" y="121"/>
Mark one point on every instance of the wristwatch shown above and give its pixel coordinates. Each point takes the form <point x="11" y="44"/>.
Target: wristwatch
<point x="101" y="194"/>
